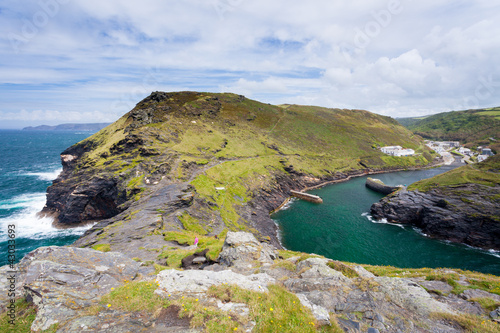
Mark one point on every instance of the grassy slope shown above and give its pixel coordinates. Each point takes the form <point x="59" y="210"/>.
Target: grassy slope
<point x="242" y="146"/>
<point x="484" y="173"/>
<point x="471" y="127"/>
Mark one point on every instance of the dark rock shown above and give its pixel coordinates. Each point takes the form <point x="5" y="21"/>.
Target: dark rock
<point x="149" y="214"/>
<point x="193" y="261"/>
<point x="95" y="199"/>
<point x="349" y="325"/>
<point x="446" y="213"/>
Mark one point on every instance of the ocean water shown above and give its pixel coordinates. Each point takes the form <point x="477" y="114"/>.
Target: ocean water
<point x="342" y="229"/>
<point x="29" y="161"/>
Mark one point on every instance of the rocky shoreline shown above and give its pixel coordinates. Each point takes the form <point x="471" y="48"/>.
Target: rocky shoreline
<point x="462" y="214"/>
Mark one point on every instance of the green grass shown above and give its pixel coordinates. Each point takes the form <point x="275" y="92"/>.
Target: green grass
<point x="191" y="224"/>
<point x="174" y="256"/>
<point x="25" y="314"/>
<point x="469" y="323"/>
<point x="134" y="296"/>
<point x="102" y="247"/>
<point x="487" y="303"/>
<point x="486" y="282"/>
<point x="476" y="173"/>
<point x="495" y="113"/>
<point x="208" y="317"/>
<point x="345" y="269"/>
<point x="239" y="180"/>
<point x="287" y="254"/>
<point x="275" y="311"/>
<point x="288" y="265"/>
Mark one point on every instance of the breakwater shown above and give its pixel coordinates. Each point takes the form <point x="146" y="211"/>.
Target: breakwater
<point x="306" y="196"/>
<point x="379" y="186"/>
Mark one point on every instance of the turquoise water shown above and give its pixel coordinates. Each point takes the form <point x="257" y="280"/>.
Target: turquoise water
<point x="339" y="229"/>
<point x="342" y="229"/>
<point x="29" y="161"/>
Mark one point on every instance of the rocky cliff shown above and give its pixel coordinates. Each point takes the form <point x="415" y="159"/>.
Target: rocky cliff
<point x="462" y="205"/>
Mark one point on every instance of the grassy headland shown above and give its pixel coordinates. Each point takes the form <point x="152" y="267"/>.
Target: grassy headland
<point x="484" y="173"/>
<point x="230" y="148"/>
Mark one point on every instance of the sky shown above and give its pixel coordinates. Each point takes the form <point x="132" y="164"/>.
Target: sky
<point x="81" y="61"/>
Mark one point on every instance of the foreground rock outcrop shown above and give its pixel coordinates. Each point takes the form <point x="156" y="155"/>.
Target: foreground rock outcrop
<point x="66" y="286"/>
<point x="62" y="281"/>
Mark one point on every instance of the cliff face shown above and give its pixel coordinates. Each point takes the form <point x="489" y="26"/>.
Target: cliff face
<point x="467" y="214"/>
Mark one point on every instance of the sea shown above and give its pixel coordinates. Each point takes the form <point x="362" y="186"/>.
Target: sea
<point x="29" y="161"/>
<point x="342" y="229"/>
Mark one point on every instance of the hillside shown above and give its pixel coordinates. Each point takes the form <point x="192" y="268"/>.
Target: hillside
<point x="232" y="158"/>
<point x="471" y="127"/>
<point x="461" y="205"/>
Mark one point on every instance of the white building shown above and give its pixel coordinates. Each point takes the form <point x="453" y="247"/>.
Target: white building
<point x="464" y="151"/>
<point x="397" y="151"/>
<point x="452" y="144"/>
<point x="406" y="152"/>
<point x="390" y="150"/>
<point x="486" y="151"/>
<point x="481" y="158"/>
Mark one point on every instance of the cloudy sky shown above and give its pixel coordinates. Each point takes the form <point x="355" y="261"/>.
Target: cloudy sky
<point x="93" y="60"/>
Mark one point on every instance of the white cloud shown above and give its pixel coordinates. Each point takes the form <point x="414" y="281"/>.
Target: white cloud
<point x="425" y="57"/>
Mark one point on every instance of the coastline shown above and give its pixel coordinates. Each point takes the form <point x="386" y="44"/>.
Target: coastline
<point x="345" y="179"/>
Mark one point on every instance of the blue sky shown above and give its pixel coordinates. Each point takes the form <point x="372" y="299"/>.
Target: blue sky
<point x="92" y="61"/>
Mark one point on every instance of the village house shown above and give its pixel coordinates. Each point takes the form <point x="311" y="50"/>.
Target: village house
<point x="465" y="151"/>
<point x="397" y="151"/>
<point x="486" y="151"/>
<point x="452" y="144"/>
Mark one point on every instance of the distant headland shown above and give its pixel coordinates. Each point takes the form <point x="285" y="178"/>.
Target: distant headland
<point x="68" y="127"/>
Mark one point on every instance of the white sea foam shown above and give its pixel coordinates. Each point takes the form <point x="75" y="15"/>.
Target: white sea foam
<point x="50" y="175"/>
<point x="28" y="224"/>
<point x="288" y="203"/>
<point x="494" y="253"/>
<point x="22" y="201"/>
<point x="381" y="221"/>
